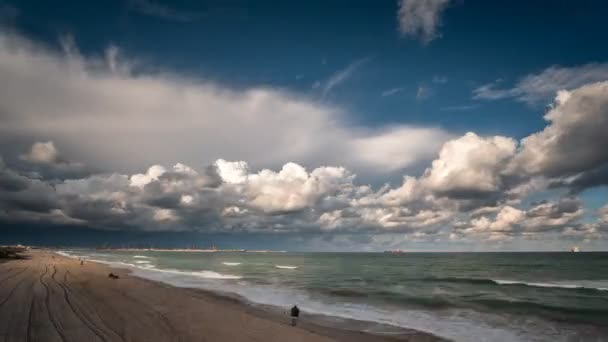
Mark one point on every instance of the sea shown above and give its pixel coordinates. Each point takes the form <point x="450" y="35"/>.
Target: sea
<point x="459" y="296"/>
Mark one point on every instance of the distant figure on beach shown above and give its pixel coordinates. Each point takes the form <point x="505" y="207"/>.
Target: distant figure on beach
<point x="295" y="313"/>
<point x="81" y="262"/>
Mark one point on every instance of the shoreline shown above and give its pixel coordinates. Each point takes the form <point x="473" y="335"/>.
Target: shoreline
<point x="188" y="250"/>
<point x="56" y="295"/>
<point x="350" y="329"/>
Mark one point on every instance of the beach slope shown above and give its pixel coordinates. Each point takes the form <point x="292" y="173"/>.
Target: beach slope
<point x="47" y="297"/>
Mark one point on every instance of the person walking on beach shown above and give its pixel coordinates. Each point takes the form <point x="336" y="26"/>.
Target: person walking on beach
<point x="295" y="312"/>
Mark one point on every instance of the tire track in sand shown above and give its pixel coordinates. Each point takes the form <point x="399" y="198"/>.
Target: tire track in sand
<point x="64" y="283"/>
<point x="47" y="301"/>
<point x="163" y="318"/>
<point x="13" y="275"/>
<point x="29" y="320"/>
<point x="14" y="287"/>
<point x="82" y="317"/>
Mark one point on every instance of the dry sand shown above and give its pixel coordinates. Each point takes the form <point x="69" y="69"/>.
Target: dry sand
<point x="48" y="297"/>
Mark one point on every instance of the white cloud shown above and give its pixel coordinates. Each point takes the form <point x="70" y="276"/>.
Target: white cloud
<point x="155" y="9"/>
<point x="342" y="75"/>
<point x="232" y="172"/>
<point x="290" y="189"/>
<point x="550" y="215"/>
<point x="141" y="179"/>
<point x="505" y="220"/>
<point x="108" y="116"/>
<point x="99" y="110"/>
<point x="392" y="91"/>
<point x="228" y="196"/>
<point x="470" y="166"/>
<point x="423" y="92"/>
<point x="421" y="18"/>
<point x="510" y="221"/>
<point x="165" y="215"/>
<point x="388" y="151"/>
<point x="541" y="87"/>
<point x="42" y="153"/>
<point x="572" y="143"/>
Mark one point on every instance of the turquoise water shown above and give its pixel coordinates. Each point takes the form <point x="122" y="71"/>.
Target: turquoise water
<point x="461" y="296"/>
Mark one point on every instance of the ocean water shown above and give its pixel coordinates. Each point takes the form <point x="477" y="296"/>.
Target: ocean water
<point x="460" y="296"/>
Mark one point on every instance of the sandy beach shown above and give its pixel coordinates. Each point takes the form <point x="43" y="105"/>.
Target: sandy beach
<point x="47" y="297"/>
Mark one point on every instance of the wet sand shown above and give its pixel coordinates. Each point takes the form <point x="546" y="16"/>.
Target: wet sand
<point x="47" y="297"/>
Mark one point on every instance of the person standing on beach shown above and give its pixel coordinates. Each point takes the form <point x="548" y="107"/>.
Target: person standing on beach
<point x="295" y="313"/>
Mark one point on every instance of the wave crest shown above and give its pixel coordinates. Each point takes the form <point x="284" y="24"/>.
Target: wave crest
<point x="566" y="284"/>
<point x="560" y="285"/>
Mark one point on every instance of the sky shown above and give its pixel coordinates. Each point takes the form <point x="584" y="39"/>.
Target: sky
<point x="422" y="125"/>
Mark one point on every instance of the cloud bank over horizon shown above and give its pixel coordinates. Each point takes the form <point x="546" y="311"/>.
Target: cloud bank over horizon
<point x="103" y="133"/>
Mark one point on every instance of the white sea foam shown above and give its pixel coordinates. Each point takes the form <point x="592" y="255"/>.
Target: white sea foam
<point x="286" y="267"/>
<point x="65" y="254"/>
<point x="145" y="266"/>
<point x="198" y="274"/>
<point x="141" y="257"/>
<point x="455" y="325"/>
<point x="578" y="284"/>
<point x="231" y="263"/>
<point x="142" y="262"/>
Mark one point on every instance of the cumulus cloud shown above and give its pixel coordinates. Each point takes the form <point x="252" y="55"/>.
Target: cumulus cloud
<point x="228" y="196"/>
<point x="548" y="215"/>
<point x="117" y="115"/>
<point x="43" y="153"/>
<point x="470" y="166"/>
<point x="541" y="87"/>
<point x="509" y="221"/>
<point x="571" y="146"/>
<point x="421" y="19"/>
<point x="126" y="121"/>
<point x="45" y="161"/>
<point x="290" y="189"/>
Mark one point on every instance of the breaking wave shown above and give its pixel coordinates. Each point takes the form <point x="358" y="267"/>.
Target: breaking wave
<point x="587" y="285"/>
<point x="595" y="285"/>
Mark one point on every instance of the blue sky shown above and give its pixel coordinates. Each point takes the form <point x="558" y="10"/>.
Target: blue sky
<point x="375" y="87"/>
<point x="245" y="44"/>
